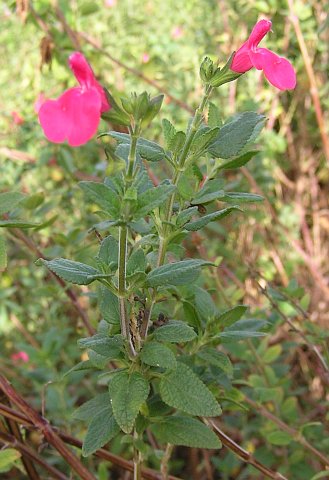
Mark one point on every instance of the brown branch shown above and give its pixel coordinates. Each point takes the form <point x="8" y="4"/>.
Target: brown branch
<point x="68" y="291"/>
<point x="127" y="465"/>
<point x="43" y="425"/>
<point x="28" y="453"/>
<point x="13" y="429"/>
<point x="311" y="76"/>
<point x="297" y="436"/>
<point x="241" y="452"/>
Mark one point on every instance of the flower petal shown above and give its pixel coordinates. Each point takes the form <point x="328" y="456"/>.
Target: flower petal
<point x="278" y="70"/>
<point x="86" y="77"/>
<point x="258" y="32"/>
<point x="241" y="62"/>
<point x="74" y="116"/>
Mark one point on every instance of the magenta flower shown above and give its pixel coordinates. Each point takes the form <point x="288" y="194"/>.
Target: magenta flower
<point x="75" y="115"/>
<point x="20" y="356"/>
<point x="278" y="70"/>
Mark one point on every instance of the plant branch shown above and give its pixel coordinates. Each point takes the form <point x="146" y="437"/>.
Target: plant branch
<point x="43" y="425"/>
<point x="28" y="242"/>
<point x="241" y="452"/>
<point x="22" y="419"/>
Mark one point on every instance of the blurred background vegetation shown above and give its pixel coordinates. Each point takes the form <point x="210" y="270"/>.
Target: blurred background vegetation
<point x="274" y="258"/>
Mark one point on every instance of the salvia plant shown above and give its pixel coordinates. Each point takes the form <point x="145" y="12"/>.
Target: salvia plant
<point x="157" y="347"/>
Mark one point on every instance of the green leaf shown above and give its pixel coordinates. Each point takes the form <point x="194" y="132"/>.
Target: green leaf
<point x="323" y="474"/>
<point x="239" y="161"/>
<point x="211" y="217"/>
<point x="236" y="134"/>
<point x="177" y="273"/>
<point x="106" y="198"/>
<point x="185" y="431"/>
<point x="212" y="190"/>
<point x="70" y="271"/>
<point x="8" y="458"/>
<point x="169" y="132"/>
<point x="152" y="198"/>
<point x="109" y="305"/>
<point x="204" y="304"/>
<point x="87" y="411"/>
<point x="177" y="143"/>
<point x="232" y="315"/>
<point x="18" y="224"/>
<point x="157" y="355"/>
<point x="175" y="332"/>
<point x="33" y="201"/>
<point x="128" y="392"/>
<point x="108" y="252"/>
<point x="101" y="430"/>
<point x="185" y="215"/>
<point x="98" y="413"/>
<point x="278" y="437"/>
<point x="109" y="347"/>
<point x="204" y="137"/>
<point x="243" y="329"/>
<point x="148" y="150"/>
<point x="3" y="254"/>
<point x="241" y="197"/>
<point x="218" y="359"/>
<point x="214" y="115"/>
<point x="9" y="200"/>
<point x="136" y="262"/>
<point x="272" y="353"/>
<point x="183" y="389"/>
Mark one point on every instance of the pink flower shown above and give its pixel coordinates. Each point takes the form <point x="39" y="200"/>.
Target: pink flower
<point x="278" y="70"/>
<point x="177" y="32"/>
<point x="76" y="114"/>
<point x="20" y="356"/>
<point x="110" y="3"/>
<point x="39" y="102"/>
<point x="17" y="118"/>
<point x="145" y="57"/>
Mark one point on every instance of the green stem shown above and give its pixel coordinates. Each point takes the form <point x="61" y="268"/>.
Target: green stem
<point x="197" y="119"/>
<point x="137" y="461"/>
<point x="122" y="280"/>
<point x="131" y="156"/>
<point x="165" y="461"/>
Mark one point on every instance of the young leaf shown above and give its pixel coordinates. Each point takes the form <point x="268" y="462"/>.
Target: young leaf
<point x="108" y="305"/>
<point x="136" y="262"/>
<point x="3" y="254"/>
<point x="157" y="355"/>
<point x="185" y="215"/>
<point x="108" y="252"/>
<point x="214" y="116"/>
<point x="106" y="346"/>
<point x="204" y="304"/>
<point x="236" y="134"/>
<point x="232" y="315"/>
<point x="169" y="132"/>
<point x="278" y="437"/>
<point x="148" y="150"/>
<point x="186" y="431"/>
<point x="152" y="198"/>
<point x="175" y="332"/>
<point x="9" y="200"/>
<point x="239" y="161"/>
<point x="70" y="271"/>
<point x="128" y="392"/>
<point x="183" y="389"/>
<point x="211" y="217"/>
<point x="213" y="357"/>
<point x="105" y="197"/>
<point x="177" y="273"/>
<point x="241" y="197"/>
<point x="212" y="190"/>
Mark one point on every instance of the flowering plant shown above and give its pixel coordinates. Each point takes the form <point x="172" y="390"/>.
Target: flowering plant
<point x="158" y="348"/>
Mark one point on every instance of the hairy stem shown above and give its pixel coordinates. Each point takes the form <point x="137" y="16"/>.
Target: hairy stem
<point x="165" y="461"/>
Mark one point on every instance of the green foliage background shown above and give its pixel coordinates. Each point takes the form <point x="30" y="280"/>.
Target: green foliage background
<point x="283" y="242"/>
